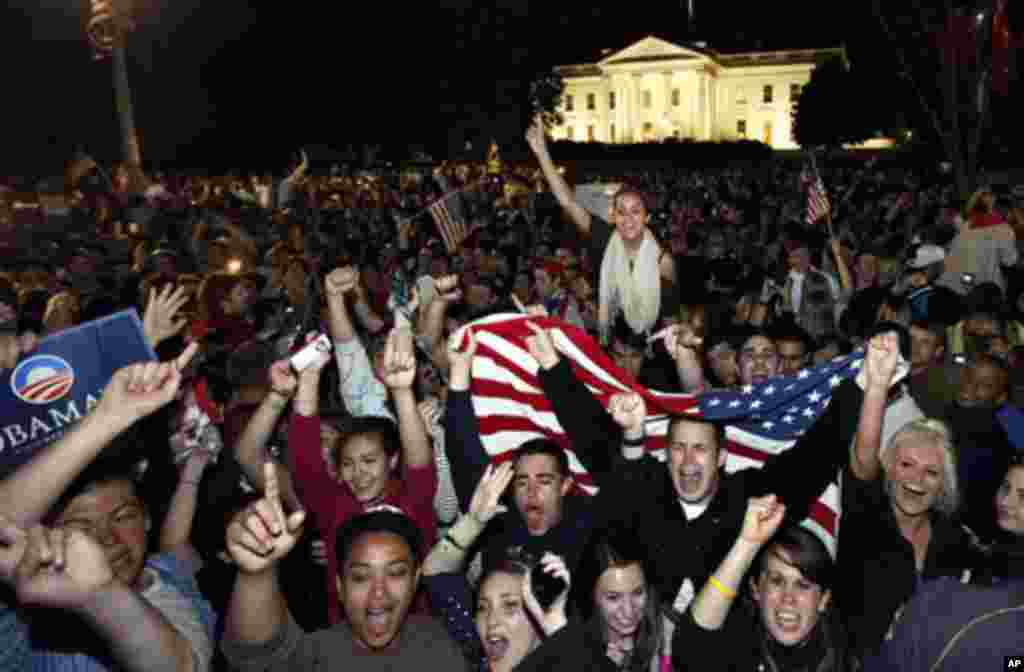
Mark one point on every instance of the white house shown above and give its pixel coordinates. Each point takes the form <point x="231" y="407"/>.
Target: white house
<point x="653" y="90"/>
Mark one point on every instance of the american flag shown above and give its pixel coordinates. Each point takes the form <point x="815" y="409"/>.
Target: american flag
<point x="765" y="419"/>
<point x="817" y="201"/>
<point x="452" y="228"/>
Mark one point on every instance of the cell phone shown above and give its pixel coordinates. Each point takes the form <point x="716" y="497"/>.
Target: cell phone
<point x="960" y="359"/>
<point x="546" y="588"/>
<point x="303" y="358"/>
<point x="967" y="278"/>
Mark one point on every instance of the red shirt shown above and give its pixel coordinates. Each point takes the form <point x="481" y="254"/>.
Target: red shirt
<point x="333" y="503"/>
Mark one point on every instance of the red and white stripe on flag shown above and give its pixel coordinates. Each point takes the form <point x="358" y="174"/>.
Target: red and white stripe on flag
<point x="511" y="407"/>
<point x="452" y="231"/>
<point x="817" y="201"/>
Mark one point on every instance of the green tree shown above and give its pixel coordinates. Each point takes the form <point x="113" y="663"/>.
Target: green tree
<point x="827" y="114"/>
<point x="545" y="97"/>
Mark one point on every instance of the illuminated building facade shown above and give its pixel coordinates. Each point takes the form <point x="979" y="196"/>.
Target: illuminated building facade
<point x="653" y="90"/>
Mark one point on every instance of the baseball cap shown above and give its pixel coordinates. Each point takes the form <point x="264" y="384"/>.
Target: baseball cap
<point x="926" y="255"/>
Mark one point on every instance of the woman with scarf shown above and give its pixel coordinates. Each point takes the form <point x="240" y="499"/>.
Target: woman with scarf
<point x="635" y="276"/>
<point x="785" y="624"/>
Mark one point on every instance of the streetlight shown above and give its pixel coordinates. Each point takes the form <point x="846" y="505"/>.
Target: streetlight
<point x="107" y="28"/>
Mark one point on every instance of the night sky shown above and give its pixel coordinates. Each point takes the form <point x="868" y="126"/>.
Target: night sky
<point x="223" y="83"/>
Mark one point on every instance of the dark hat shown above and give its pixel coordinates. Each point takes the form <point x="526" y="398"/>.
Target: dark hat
<point x="380" y="519"/>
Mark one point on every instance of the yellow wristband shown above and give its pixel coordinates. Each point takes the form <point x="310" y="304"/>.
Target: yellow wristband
<point x="726" y="591"/>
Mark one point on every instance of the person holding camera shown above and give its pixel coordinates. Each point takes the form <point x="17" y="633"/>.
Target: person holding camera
<point x="513" y="588"/>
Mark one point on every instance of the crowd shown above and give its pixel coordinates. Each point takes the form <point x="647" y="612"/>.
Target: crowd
<point x="227" y="508"/>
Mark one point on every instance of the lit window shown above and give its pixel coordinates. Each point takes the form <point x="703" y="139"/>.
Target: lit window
<point x="767" y="93"/>
<point x="590" y="133"/>
<point x="611" y="100"/>
<point x="568" y="104"/>
<point x="591" y="101"/>
<point x="648" y="102"/>
<point x="741" y="128"/>
<point x="568" y="132"/>
<point x="675" y="97"/>
<point x="611" y="132"/>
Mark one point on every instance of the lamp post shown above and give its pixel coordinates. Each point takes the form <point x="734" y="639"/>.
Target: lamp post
<point x="108" y="27"/>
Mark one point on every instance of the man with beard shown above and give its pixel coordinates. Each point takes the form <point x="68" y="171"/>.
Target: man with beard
<point x="898" y="505"/>
<point x="379" y="561"/>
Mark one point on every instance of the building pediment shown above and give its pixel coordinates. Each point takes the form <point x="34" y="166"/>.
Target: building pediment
<point x="651" y="50"/>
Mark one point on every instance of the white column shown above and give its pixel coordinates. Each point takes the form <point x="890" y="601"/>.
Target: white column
<point x="669" y="113"/>
<point x="640" y="112"/>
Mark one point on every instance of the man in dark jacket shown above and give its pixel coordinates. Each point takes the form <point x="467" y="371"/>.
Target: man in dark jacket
<point x="688" y="510"/>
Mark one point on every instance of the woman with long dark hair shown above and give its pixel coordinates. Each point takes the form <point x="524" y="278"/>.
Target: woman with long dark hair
<point x="786" y="622"/>
<point x="620" y="624"/>
<point x="507" y="622"/>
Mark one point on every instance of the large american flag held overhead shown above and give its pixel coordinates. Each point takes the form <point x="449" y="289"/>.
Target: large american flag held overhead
<point x="762" y="420"/>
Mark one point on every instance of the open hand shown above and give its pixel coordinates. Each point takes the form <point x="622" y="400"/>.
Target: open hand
<point x="161" y="319"/>
<point x="485" y="502"/>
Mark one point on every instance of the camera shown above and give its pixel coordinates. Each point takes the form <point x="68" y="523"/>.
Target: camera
<point x="546" y="588"/>
<point x="303" y="358"/>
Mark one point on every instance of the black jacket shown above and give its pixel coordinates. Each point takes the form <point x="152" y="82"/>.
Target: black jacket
<point x="742" y="644"/>
<point x="641" y="493"/>
<point x="877" y="570"/>
<point x="469" y="459"/>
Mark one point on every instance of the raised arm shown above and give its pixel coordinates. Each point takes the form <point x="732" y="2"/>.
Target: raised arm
<point x="304" y="456"/>
<point x="177" y="525"/>
<point x="589" y="427"/>
<point x="432" y="324"/>
<point x="258" y="537"/>
<point x="251" y="448"/>
<point x="399" y="376"/>
<point x="539" y="144"/>
<point x="449" y="554"/>
<point x="682" y="345"/>
<point x="134" y="392"/>
<point x="712" y="605"/>
<point x="466" y="451"/>
<point x="845" y="279"/>
<point x="67" y="569"/>
<point x="362" y="393"/>
<point x="879" y="366"/>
